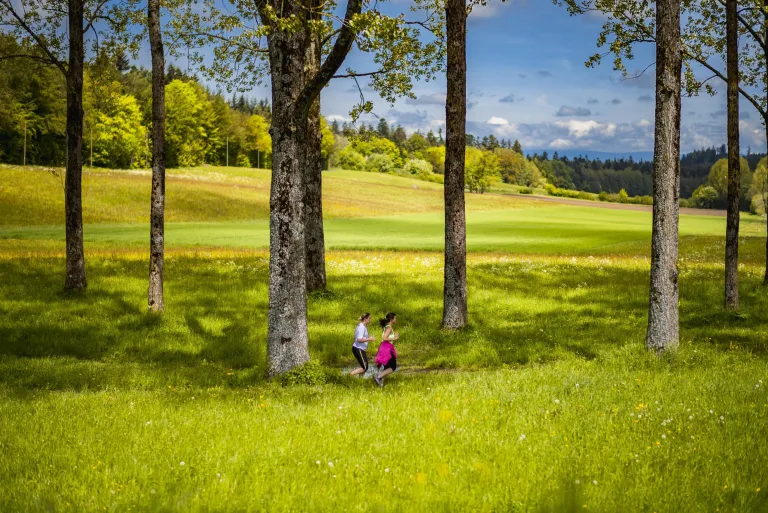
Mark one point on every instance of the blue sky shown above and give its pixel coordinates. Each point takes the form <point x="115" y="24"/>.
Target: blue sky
<point x="527" y="80"/>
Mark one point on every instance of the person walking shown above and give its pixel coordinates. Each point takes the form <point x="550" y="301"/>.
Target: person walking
<point x="360" y="345"/>
<point x="386" y="357"/>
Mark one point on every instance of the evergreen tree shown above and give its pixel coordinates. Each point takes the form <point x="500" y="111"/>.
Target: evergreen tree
<point x="399" y="136"/>
<point x="383" y="128"/>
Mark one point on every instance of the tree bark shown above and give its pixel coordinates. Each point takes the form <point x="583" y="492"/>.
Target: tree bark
<point x="765" y="122"/>
<point x="313" y="184"/>
<point x="75" y="258"/>
<point x="294" y="91"/>
<point x="155" y="300"/>
<point x="287" y="337"/>
<point x="734" y="165"/>
<point x="455" y="267"/>
<point x="663" y="314"/>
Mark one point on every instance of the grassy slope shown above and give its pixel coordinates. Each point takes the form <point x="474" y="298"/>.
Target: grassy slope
<point x="33" y="197"/>
<point x="228" y="207"/>
<point x="100" y="403"/>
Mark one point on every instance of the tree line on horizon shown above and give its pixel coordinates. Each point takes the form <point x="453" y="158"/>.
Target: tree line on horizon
<point x="206" y="128"/>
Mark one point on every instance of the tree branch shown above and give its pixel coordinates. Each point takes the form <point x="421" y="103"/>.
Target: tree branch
<point x="27" y="56"/>
<point x="357" y="75"/>
<point x="722" y="77"/>
<point x="40" y="42"/>
<point x="638" y="75"/>
<point x="335" y="58"/>
<point x="231" y="42"/>
<point x="94" y="15"/>
<point x="755" y="35"/>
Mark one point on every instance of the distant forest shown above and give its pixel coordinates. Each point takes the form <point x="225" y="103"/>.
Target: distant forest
<point x="205" y="127"/>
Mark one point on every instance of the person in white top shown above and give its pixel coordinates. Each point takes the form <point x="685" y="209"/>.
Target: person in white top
<point x="360" y="345"/>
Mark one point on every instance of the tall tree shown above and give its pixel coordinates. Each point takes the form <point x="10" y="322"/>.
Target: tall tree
<point x="383" y="128"/>
<point x="157" y="212"/>
<point x="290" y="28"/>
<point x="663" y="312"/>
<point x="313" y="172"/>
<point x="75" y="264"/>
<point x="42" y="24"/>
<point x="734" y="165"/>
<point x="399" y="136"/>
<point x="455" y="267"/>
<point x="763" y="44"/>
<point x="631" y="22"/>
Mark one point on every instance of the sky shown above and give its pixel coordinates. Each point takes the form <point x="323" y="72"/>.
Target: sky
<point x="527" y="81"/>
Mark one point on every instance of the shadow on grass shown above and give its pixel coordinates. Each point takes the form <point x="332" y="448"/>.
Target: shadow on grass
<point x="214" y="330"/>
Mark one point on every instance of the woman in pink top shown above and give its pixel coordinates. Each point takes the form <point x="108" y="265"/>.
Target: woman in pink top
<point x="386" y="358"/>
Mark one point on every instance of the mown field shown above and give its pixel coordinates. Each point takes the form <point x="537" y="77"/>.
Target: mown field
<point x="547" y="402"/>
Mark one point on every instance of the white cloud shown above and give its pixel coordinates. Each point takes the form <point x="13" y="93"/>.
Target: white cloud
<point x="427" y="99"/>
<point x="560" y="144"/>
<point x="567" y="110"/>
<point x="497" y="121"/>
<point x="488" y="10"/>
<point x="336" y="117"/>
<point x="415" y="120"/>
<point x="581" y="129"/>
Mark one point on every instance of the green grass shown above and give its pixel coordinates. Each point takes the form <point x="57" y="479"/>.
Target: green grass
<point x="557" y="229"/>
<point x="623" y="440"/>
<point x="100" y="402"/>
<point x="33" y="197"/>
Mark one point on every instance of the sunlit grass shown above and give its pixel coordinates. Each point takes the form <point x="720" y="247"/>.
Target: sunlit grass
<point x="100" y="403"/>
<point x="33" y="196"/>
<point x="547" y="401"/>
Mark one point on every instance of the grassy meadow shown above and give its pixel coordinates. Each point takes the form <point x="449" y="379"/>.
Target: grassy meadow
<point x="546" y="402"/>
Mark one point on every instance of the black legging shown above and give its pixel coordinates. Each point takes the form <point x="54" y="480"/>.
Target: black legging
<point x="362" y="357"/>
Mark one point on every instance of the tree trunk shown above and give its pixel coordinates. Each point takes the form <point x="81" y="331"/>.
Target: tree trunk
<point x="287" y="338"/>
<point x="313" y="184"/>
<point x="765" y="122"/>
<point x="765" y="203"/>
<point x="734" y="166"/>
<point x="73" y="200"/>
<point x="455" y="267"/>
<point x="663" y="315"/>
<point x="157" y="216"/>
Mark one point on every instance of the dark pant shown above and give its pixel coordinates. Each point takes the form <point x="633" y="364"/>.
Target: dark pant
<point x="391" y="364"/>
<point x="362" y="357"/>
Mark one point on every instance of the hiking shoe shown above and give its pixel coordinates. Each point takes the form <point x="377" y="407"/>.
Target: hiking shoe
<point x="378" y="381"/>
